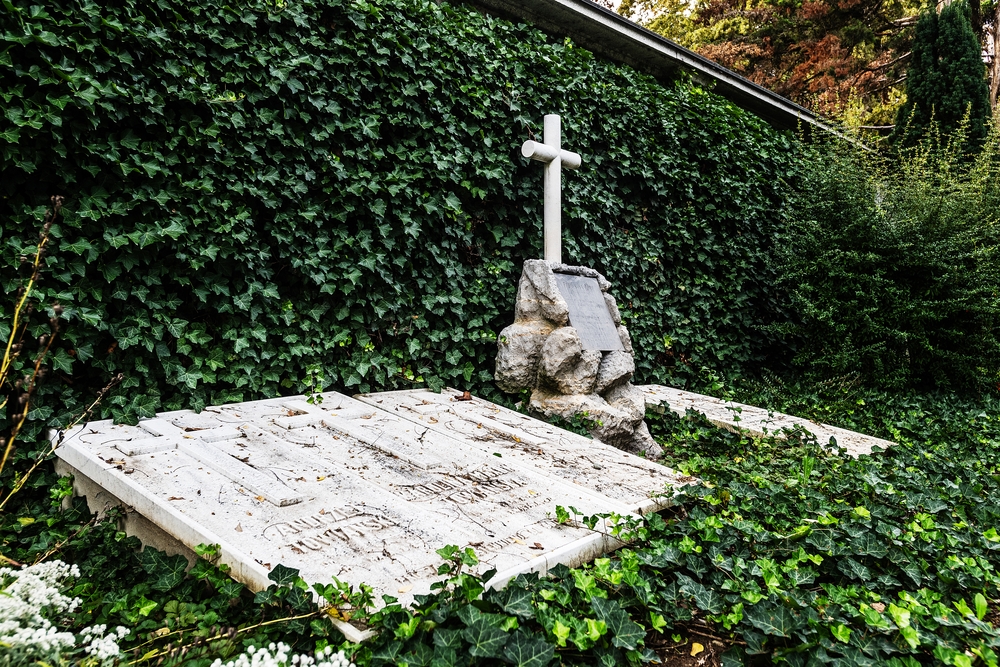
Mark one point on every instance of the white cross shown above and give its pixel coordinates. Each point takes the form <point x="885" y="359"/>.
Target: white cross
<point x="554" y="156"/>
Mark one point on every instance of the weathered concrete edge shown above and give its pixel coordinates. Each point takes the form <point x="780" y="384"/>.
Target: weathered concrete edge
<point x="734" y="425"/>
<point x="604" y="32"/>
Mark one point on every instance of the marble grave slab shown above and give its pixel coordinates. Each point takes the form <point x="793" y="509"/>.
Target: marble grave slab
<point x="349" y="489"/>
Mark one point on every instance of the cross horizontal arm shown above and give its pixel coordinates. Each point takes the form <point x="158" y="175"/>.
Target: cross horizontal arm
<point x="546" y="153"/>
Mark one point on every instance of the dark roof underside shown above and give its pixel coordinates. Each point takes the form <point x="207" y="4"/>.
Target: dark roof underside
<point x="605" y="33"/>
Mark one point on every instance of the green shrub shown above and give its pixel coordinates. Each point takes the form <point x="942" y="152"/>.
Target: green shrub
<point x="946" y="86"/>
<point x="891" y="268"/>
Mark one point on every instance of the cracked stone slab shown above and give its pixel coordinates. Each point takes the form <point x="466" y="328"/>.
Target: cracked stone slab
<point x="358" y="491"/>
<point x="758" y="421"/>
<point x="628" y="482"/>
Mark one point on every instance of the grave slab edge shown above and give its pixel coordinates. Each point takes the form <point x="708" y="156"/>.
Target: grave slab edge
<point x="660" y="398"/>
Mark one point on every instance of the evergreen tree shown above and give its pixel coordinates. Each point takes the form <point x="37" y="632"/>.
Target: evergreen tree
<point x="946" y="78"/>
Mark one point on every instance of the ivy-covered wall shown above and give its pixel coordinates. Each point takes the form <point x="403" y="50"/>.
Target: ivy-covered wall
<point x="254" y="188"/>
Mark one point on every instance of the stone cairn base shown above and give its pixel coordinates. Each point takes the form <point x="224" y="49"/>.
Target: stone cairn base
<point x="543" y="353"/>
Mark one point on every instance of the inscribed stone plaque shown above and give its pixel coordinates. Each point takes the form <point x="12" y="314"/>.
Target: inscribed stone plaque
<point x="340" y="488"/>
<point x="588" y="312"/>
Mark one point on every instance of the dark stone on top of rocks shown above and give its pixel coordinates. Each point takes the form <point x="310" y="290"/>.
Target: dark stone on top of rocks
<point x="585" y="271"/>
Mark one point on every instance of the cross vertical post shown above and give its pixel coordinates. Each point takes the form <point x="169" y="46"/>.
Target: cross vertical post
<point x="551" y="153"/>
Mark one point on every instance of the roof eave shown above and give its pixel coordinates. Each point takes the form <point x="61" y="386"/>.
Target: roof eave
<point x="605" y="33"/>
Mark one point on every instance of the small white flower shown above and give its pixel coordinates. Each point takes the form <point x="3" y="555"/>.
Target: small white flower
<point x="278" y="655"/>
<point x="28" y="596"/>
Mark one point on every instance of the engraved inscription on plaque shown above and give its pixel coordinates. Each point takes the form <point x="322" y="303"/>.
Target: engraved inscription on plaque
<point x="588" y="313"/>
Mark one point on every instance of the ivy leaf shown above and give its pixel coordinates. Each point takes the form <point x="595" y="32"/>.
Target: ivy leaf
<point x="230" y="588"/>
<point x="854" y="569"/>
<point x="706" y="598"/>
<point x="625" y="632"/>
<point x="912" y="570"/>
<point x="387" y="653"/>
<point x="265" y="596"/>
<point x="516" y="601"/>
<point x="840" y="632"/>
<point x="734" y="657"/>
<point x="981" y="607"/>
<point x="448" y="639"/>
<point x="869" y="545"/>
<point x="168" y="570"/>
<point x="144" y="406"/>
<point x="486" y="640"/>
<point x="771" y="619"/>
<point x="283" y="575"/>
<point x="526" y="651"/>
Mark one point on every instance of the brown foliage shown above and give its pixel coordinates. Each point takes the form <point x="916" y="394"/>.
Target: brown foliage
<point x="821" y="54"/>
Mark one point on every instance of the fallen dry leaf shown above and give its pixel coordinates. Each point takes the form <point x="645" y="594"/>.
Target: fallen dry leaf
<point x="239" y="528"/>
<point x="696" y="648"/>
<point x="333" y="612"/>
<point x="321" y="478"/>
<point x="536" y="545"/>
<point x="519" y="541"/>
<point x="175" y="498"/>
<point x="405" y="589"/>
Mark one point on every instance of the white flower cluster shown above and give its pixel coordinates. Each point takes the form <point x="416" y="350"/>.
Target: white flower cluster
<point x="278" y="655"/>
<point x="28" y="596"/>
<point x="102" y="646"/>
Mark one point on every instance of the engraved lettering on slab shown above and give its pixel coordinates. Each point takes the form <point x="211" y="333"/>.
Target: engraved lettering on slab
<point x="468" y="487"/>
<point x="588" y="313"/>
<point x="316" y="531"/>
